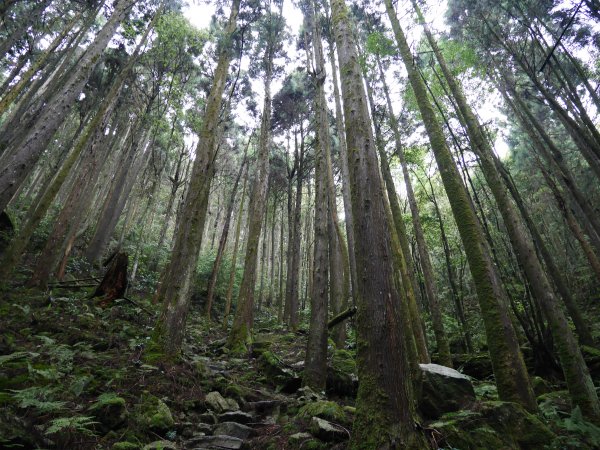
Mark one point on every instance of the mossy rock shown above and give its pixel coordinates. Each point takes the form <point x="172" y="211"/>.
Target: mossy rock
<point x="443" y="390"/>
<point x="558" y="400"/>
<point x="286" y="380"/>
<point x="592" y="359"/>
<point x="513" y="422"/>
<point x="152" y="413"/>
<point x="125" y="446"/>
<point x="495" y="424"/>
<point x="325" y="410"/>
<point x="110" y="410"/>
<point x="540" y="386"/>
<point x="341" y="374"/>
<point x="261" y="344"/>
<point x="476" y="365"/>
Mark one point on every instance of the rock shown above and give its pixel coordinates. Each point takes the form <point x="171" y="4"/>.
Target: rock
<point x="110" y="410"/>
<point x="125" y="445"/>
<point x="263" y="406"/>
<point x="286" y="380"/>
<point x="161" y="445"/>
<point x="444" y="390"/>
<point x="299" y="437"/>
<point x="208" y="417"/>
<point x="232" y="429"/>
<point x="512" y="421"/>
<point x="214" y="442"/>
<point x="154" y="414"/>
<point x="324" y="410"/>
<point x="540" y="386"/>
<point x="327" y="431"/>
<point x="341" y="374"/>
<point x="260" y="345"/>
<point x="478" y="365"/>
<point x="217" y="403"/>
<point x="495" y="425"/>
<point x="203" y="428"/>
<point x="559" y="400"/>
<point x="236" y="416"/>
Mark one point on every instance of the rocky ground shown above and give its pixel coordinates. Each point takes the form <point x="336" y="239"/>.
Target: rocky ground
<point x="74" y="376"/>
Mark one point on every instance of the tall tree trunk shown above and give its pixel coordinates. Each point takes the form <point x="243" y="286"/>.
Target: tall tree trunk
<point x="234" y="254"/>
<point x="241" y="331"/>
<point x="385" y="413"/>
<point x="315" y="366"/>
<point x="177" y="276"/>
<point x="20" y="162"/>
<point x="212" y="280"/>
<point x="343" y="160"/>
<point x="510" y="372"/>
<point x="574" y="368"/>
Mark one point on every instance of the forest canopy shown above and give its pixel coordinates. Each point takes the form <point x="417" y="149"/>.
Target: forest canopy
<point x="300" y="224"/>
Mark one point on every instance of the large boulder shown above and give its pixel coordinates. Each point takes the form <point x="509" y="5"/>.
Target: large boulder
<point x="341" y="374"/>
<point x="444" y="390"/>
<point x="283" y="377"/>
<point x="327" y="431"/>
<point x="495" y="424"/>
<point x="476" y="365"/>
<point x="234" y="429"/>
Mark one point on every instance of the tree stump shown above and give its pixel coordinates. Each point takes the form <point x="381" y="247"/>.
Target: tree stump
<point x="114" y="283"/>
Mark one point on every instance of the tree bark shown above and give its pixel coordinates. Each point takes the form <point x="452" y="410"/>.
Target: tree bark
<point x="177" y="276"/>
<point x="384" y="407"/>
<point x="510" y="372"/>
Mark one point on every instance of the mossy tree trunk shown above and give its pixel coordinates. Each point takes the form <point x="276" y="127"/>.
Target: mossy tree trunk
<point x="428" y="274"/>
<point x="241" y="331"/>
<point x="315" y="367"/>
<point x="385" y="414"/>
<point x="574" y="368"/>
<point x="510" y="372"/>
<point x="174" y="293"/>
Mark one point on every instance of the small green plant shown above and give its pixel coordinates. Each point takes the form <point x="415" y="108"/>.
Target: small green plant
<point x="76" y="424"/>
<point x="38" y="397"/>
<point x="578" y="425"/>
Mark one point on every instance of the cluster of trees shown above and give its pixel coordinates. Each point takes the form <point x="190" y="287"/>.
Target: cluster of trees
<point x="102" y="104"/>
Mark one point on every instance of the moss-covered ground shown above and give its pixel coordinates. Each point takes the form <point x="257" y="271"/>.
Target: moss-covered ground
<point x="74" y="375"/>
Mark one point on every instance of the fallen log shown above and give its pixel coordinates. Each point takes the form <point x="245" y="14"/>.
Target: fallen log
<point x="341" y="317"/>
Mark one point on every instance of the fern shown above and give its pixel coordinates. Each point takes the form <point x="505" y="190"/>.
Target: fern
<point x="78" y="424"/>
<point x="16" y="356"/>
<point x="37" y="397"/>
<point x="578" y="425"/>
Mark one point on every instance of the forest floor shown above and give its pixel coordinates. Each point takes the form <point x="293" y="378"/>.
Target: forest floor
<point x="73" y="375"/>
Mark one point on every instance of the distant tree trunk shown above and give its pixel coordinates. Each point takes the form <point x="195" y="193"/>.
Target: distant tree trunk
<point x="428" y="274"/>
<point x="510" y="372"/>
<point x="385" y="414"/>
<point x="177" y="276"/>
<point x="583" y="331"/>
<point x="30" y="149"/>
<point x="241" y="331"/>
<point x="234" y="255"/>
<point x="293" y="275"/>
<point x="450" y="271"/>
<point x="212" y="280"/>
<point x="575" y="370"/>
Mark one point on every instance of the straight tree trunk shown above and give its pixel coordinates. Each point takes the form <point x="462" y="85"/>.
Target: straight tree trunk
<point x="241" y="332"/>
<point x="315" y="366"/>
<point x="510" y="372"/>
<point x="579" y="382"/>
<point x="20" y="163"/>
<point x="212" y="280"/>
<point x="177" y="277"/>
<point x="385" y="413"/>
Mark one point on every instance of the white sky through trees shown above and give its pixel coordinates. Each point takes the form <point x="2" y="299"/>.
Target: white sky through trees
<point x="200" y="14"/>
